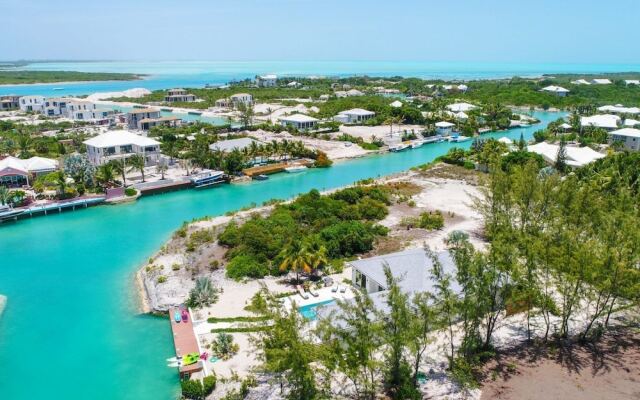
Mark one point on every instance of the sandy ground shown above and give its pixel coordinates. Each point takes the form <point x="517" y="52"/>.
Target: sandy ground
<point x="134" y="93"/>
<point x="273" y="111"/>
<point x="383" y="132"/>
<point x="609" y="369"/>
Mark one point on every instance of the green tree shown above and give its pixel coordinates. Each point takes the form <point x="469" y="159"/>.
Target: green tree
<point x="137" y="163"/>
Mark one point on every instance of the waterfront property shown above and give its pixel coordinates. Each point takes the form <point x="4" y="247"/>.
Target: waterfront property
<point x="115" y="145"/>
<point x="266" y="80"/>
<point x="15" y="172"/>
<point x="135" y="117"/>
<point x="32" y="103"/>
<point x="575" y="156"/>
<point x="179" y="96"/>
<point x="82" y="110"/>
<point x="301" y="122"/>
<point x="605" y="121"/>
<point x="557" y="90"/>
<point x="629" y="137"/>
<point x="148" y="123"/>
<point x="444" y="128"/>
<point x="354" y="116"/>
<point x="232" y="144"/>
<point x="461" y="107"/>
<point x="9" y="102"/>
<point x="185" y="342"/>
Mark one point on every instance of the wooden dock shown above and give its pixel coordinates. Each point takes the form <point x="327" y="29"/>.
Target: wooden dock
<point x="185" y="342"/>
<point x="273" y="168"/>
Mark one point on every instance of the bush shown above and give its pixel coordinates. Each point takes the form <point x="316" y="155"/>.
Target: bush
<point x="209" y="384"/>
<point x="196" y="390"/>
<point x="322" y="161"/>
<point x="246" y="266"/>
<point x="223" y="347"/>
<point x="130" y="192"/>
<point x="161" y="279"/>
<point x="431" y="220"/>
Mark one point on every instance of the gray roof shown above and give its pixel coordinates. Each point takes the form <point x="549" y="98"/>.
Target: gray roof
<point x="229" y="145"/>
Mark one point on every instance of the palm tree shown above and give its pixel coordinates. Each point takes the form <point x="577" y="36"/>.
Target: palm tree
<point x="318" y="254"/>
<point x="60" y="180"/>
<point x="120" y="167"/>
<point x="5" y="195"/>
<point x="24" y="143"/>
<point x="136" y="163"/>
<point x="391" y="121"/>
<point x="105" y="174"/>
<point x="297" y="258"/>
<point x="161" y="168"/>
<point x="203" y="294"/>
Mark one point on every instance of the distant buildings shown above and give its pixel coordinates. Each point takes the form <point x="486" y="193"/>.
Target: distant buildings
<point x="575" y="156"/>
<point x="580" y="82"/>
<point x="606" y="121"/>
<point x="179" y="96"/>
<point x="629" y="82"/>
<point x="619" y="109"/>
<point x="136" y="116"/>
<point x="461" y="107"/>
<point x="601" y="81"/>
<point x="349" y="93"/>
<point x="9" y="102"/>
<point x="396" y="104"/>
<point x="235" y="100"/>
<point x="115" y="145"/>
<point x="557" y="90"/>
<point x="266" y="80"/>
<point x="301" y="122"/>
<point x="354" y="116"/>
<point x="629" y="137"/>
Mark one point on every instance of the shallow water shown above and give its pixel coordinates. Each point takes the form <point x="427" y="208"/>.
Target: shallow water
<point x="71" y="329"/>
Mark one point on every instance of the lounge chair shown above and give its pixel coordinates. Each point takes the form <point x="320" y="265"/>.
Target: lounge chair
<point x="313" y="292"/>
<point x="343" y="289"/>
<point x="301" y="292"/>
<point x="334" y="289"/>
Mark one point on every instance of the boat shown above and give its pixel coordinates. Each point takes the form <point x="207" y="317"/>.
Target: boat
<point x="185" y="316"/>
<point x="261" y="177"/>
<point x="194" y="113"/>
<point x="7" y="212"/>
<point x="58" y="88"/>
<point x="166" y="109"/>
<point x="176" y="316"/>
<point x="174" y="364"/>
<point x="295" y="168"/>
<point x="190" y="358"/>
<point x="417" y="143"/>
<point x="207" y="178"/>
<point x="399" y="147"/>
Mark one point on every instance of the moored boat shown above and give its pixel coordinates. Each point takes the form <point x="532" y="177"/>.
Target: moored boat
<point x="295" y="168"/>
<point x="7" y="212"/>
<point x="417" y="143"/>
<point x="261" y="177"/>
<point x="207" y="178"/>
<point x="399" y="147"/>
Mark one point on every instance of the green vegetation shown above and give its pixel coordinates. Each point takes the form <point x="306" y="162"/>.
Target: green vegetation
<point x="223" y="346"/>
<point x="213" y="320"/>
<point x="25" y="77"/>
<point x="203" y="294"/>
<point x="196" y="390"/>
<point x="307" y="234"/>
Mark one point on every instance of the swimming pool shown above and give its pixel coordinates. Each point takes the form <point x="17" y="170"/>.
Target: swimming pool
<point x="309" y="311"/>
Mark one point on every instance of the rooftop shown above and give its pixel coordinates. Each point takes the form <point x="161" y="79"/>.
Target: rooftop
<point x="576" y="156"/>
<point x="458" y="107"/>
<point x="555" y="89"/>
<point x="630" y="132"/>
<point x="357" y="111"/>
<point x="120" y="138"/>
<point x="298" y="118"/>
<point x="601" y="121"/>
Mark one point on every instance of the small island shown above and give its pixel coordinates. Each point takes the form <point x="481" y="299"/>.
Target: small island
<point x="30" y="77"/>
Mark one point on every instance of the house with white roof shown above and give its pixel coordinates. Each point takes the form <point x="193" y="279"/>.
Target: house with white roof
<point x="632" y="82"/>
<point x="241" y="98"/>
<point x="444" y="128"/>
<point x="460" y="107"/>
<point x="227" y="146"/>
<point x="32" y="103"/>
<point x="581" y="82"/>
<point x="575" y="156"/>
<point x="116" y="145"/>
<point x="601" y="81"/>
<point x="604" y="121"/>
<point x="15" y="172"/>
<point x="396" y="104"/>
<point x="557" y="90"/>
<point x="631" y="122"/>
<point x="629" y="137"/>
<point x="354" y="116"/>
<point x="266" y="80"/>
<point x="301" y="122"/>
<point x="619" y="109"/>
<point x="354" y="93"/>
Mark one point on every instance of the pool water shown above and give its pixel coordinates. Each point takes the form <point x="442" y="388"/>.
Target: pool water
<point x="310" y="310"/>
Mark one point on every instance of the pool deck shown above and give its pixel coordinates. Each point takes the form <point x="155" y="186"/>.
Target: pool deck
<point x="324" y="294"/>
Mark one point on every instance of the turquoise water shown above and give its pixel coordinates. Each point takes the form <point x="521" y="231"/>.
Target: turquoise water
<point x="309" y="311"/>
<point x="169" y="74"/>
<point x="71" y="329"/>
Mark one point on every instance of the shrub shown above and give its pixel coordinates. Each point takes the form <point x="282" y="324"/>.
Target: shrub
<point x="322" y="160"/>
<point x="246" y="266"/>
<point x="431" y="220"/>
<point x="223" y="347"/>
<point x="203" y="294"/>
<point x="196" y="390"/>
<point x="161" y="279"/>
<point x="130" y="192"/>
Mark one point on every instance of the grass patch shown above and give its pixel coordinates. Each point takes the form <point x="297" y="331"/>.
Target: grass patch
<point x="213" y="320"/>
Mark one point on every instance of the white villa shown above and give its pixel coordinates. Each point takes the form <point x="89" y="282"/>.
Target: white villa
<point x="179" y="96"/>
<point x="632" y="82"/>
<point x="604" y="121"/>
<point x="461" y="107"/>
<point x="630" y="137"/>
<point x="244" y="98"/>
<point x="32" y="103"/>
<point x="83" y="110"/>
<point x="354" y="116"/>
<point x="444" y="128"/>
<point x="266" y="80"/>
<point x="301" y="122"/>
<point x="115" y="145"/>
<point x="16" y="172"/>
<point x="601" y="81"/>
<point x="557" y="90"/>
<point x="575" y="156"/>
<point x="55" y="106"/>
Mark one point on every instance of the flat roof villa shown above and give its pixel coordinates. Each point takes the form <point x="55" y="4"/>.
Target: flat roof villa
<point x="354" y="116"/>
<point x="9" y="102"/>
<point x="604" y="121"/>
<point x="179" y="96"/>
<point x="630" y="137"/>
<point x="135" y="116"/>
<point x="232" y="144"/>
<point x="575" y="156"/>
<point x="557" y="90"/>
<point x="15" y="172"/>
<point x="148" y="123"/>
<point x="461" y="107"/>
<point x="32" y="103"/>
<point x="266" y="80"/>
<point x="444" y="128"/>
<point x="115" y="145"/>
<point x="301" y="122"/>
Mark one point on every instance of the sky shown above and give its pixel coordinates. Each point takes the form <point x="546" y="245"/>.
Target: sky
<point x="542" y="31"/>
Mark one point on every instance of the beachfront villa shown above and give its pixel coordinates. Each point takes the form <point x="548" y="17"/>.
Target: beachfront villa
<point x="604" y="121"/>
<point x="575" y="156"/>
<point x="179" y="96"/>
<point x="301" y="122"/>
<point x="15" y="172"/>
<point x="148" y="123"/>
<point x="444" y="128"/>
<point x="354" y="116"/>
<point x="227" y="146"/>
<point x="9" y="102"/>
<point x="116" y="145"/>
<point x="32" y="103"/>
<point x="461" y="107"/>
<point x="135" y="117"/>
<point x="266" y="80"/>
<point x="629" y="137"/>
<point x="557" y="90"/>
<point x="82" y="110"/>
